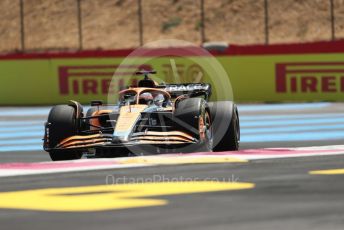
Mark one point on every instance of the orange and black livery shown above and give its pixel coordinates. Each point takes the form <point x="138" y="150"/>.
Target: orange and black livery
<point x="148" y="118"/>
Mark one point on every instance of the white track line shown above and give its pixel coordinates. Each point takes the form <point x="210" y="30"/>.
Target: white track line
<point x="20" y="169"/>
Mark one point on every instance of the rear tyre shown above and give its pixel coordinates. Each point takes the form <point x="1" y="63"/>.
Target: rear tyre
<point x="226" y="123"/>
<point x="91" y="111"/>
<point x="63" y="124"/>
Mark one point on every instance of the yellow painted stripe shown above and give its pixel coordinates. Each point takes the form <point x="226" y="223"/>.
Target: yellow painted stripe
<point x="109" y="197"/>
<point x="328" y="172"/>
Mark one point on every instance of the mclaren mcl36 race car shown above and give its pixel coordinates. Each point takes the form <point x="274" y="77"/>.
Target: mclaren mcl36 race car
<point x="148" y="119"/>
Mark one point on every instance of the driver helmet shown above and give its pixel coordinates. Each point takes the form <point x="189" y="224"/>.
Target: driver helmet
<point x="145" y="98"/>
<point x="159" y="99"/>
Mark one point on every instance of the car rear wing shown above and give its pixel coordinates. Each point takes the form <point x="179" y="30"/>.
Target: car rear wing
<point x="191" y="89"/>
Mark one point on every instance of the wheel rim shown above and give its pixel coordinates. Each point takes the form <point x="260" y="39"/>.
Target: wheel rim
<point x="202" y="128"/>
<point x="205" y="130"/>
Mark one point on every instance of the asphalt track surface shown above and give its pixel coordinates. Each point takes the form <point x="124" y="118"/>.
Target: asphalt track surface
<point x="285" y="194"/>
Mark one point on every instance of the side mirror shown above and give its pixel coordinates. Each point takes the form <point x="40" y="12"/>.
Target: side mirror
<point x="96" y="103"/>
<point x="127" y="97"/>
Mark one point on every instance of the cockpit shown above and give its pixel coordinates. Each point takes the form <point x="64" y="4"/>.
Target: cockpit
<point x="144" y="97"/>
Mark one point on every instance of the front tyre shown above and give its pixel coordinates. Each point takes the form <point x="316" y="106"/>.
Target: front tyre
<point x="193" y="116"/>
<point x="206" y="132"/>
<point x="62" y="124"/>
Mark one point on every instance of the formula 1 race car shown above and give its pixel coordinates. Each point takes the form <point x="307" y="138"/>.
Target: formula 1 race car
<point x="149" y="118"/>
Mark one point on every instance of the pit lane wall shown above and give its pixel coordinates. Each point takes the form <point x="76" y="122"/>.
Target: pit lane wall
<point x="275" y="73"/>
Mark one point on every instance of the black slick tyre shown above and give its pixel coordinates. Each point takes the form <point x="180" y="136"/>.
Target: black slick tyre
<point x="193" y="116"/>
<point x="226" y="126"/>
<point x="62" y="124"/>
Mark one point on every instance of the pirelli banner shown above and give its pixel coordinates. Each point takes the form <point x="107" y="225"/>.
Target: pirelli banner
<point x="276" y="73"/>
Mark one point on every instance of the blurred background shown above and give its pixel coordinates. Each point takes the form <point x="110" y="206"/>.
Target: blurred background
<point x="284" y="61"/>
<point x="40" y="25"/>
